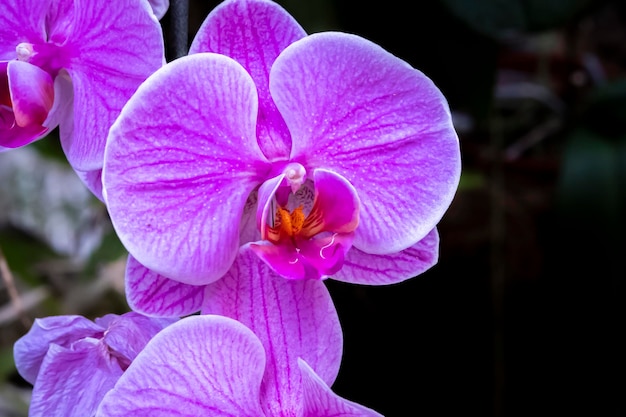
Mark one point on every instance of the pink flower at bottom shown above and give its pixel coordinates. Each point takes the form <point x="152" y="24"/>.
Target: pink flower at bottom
<point x="72" y="362"/>
<point x="215" y="366"/>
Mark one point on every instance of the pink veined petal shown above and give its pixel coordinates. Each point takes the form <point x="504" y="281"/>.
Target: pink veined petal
<point x="364" y="268"/>
<point x="32" y="93"/>
<point x="371" y="118"/>
<point x="73" y="380"/>
<point x="129" y="333"/>
<point x="59" y="19"/>
<point x="320" y="401"/>
<point x="31" y="348"/>
<point x="200" y="366"/>
<point x="291" y="318"/>
<point x="180" y="164"/>
<point x="155" y="295"/>
<point x="21" y="21"/>
<point x="254" y="33"/>
<point x="113" y="48"/>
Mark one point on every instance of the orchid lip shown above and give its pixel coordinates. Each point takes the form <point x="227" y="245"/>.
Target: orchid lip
<point x="306" y="234"/>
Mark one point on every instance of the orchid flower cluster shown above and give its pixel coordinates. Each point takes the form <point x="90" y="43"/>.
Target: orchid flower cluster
<point x="239" y="178"/>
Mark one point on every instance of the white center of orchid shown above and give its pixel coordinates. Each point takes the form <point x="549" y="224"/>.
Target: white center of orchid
<point x="295" y="174"/>
<point x="24" y="51"/>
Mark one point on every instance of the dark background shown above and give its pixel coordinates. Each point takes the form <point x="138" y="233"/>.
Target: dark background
<point x="523" y="313"/>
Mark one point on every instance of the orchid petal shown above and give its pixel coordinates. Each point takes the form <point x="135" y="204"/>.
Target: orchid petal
<point x="371" y="118"/>
<point x="254" y="33"/>
<point x="93" y="182"/>
<point x="32" y="93"/>
<point x="21" y="21"/>
<point x="200" y="366"/>
<point x="113" y="48"/>
<point x="248" y="229"/>
<point x="31" y="348"/>
<point x="128" y="334"/>
<point x="155" y="295"/>
<point x="267" y="190"/>
<point x="26" y="96"/>
<point x="73" y="381"/>
<point x="337" y="200"/>
<point x="291" y="318"/>
<point x="59" y="19"/>
<point x="364" y="268"/>
<point x="320" y="401"/>
<point x="159" y="7"/>
<point x="180" y="163"/>
<point x="14" y="136"/>
<point x="63" y="102"/>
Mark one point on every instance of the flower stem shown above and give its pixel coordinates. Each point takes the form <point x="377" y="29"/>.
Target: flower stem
<point x="179" y="13"/>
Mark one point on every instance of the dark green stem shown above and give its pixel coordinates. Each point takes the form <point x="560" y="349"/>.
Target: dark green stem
<point x="179" y="15"/>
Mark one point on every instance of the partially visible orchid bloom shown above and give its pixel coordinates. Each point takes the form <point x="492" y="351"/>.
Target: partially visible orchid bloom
<point x="73" y="63"/>
<point x="215" y="366"/>
<point x="72" y="362"/>
<point x="324" y="154"/>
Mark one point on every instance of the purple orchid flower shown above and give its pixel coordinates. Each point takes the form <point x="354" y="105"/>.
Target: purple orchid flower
<point x="73" y="63"/>
<point x="324" y="154"/>
<point x="72" y="362"/>
<point x="215" y="366"/>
